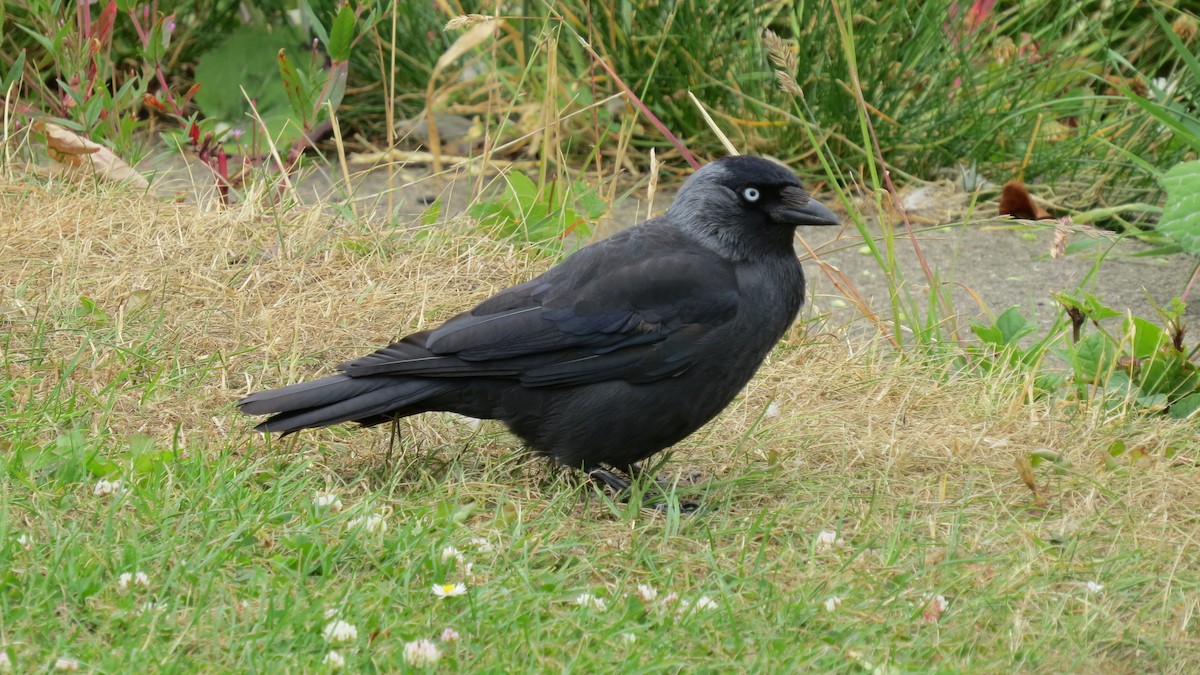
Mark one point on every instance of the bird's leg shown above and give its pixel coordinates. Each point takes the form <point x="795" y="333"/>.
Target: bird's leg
<point x="636" y="472"/>
<point x="606" y="477"/>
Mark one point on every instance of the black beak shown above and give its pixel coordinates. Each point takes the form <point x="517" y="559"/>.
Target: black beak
<point x="797" y="208"/>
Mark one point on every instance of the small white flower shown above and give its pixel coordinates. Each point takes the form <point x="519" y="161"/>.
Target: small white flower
<point x="449" y="590"/>
<point x="832" y="603"/>
<point x="26" y="542"/>
<point x="936" y="603"/>
<point x="373" y="523"/>
<point x="703" y="604"/>
<point x="128" y="579"/>
<point x="827" y="539"/>
<point x="5" y="662"/>
<point x="629" y="638"/>
<point x="105" y="488"/>
<point x="421" y="653"/>
<point x="340" y="632"/>
<point x="1093" y="587"/>
<point x="647" y="593"/>
<point x="151" y="606"/>
<point x="64" y="663"/>
<point x="480" y="544"/>
<point x="591" y="602"/>
<point x="451" y="553"/>
<point x="450" y="635"/>
<point x="331" y="612"/>
<point x="328" y="500"/>
<point x="772" y="411"/>
<point x="334" y="660"/>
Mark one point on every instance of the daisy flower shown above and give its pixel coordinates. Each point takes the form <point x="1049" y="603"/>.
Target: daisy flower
<point x="449" y="590"/>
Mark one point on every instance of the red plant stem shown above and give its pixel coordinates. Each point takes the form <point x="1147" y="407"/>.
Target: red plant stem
<point x="637" y="102"/>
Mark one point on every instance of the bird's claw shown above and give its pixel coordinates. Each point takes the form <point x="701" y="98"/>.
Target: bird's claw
<point x="622" y="488"/>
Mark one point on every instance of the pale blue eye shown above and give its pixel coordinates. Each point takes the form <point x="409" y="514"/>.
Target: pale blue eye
<point x="750" y="194"/>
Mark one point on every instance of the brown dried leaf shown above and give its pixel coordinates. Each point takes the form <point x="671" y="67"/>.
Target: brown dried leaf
<point x="1016" y="201"/>
<point x="478" y="34"/>
<point x="75" y="151"/>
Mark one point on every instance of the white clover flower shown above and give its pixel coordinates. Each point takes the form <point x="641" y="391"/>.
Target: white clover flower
<point x="421" y="653"/>
<point x="106" y="488"/>
<point x="647" y="593"/>
<point x="128" y="579"/>
<point x="450" y="635"/>
<point x="832" y="603"/>
<point x="480" y="544"/>
<point x="629" y="638"/>
<point x="936" y="603"/>
<point x="373" y="523"/>
<point x="827" y="539"/>
<point x="591" y="602"/>
<point x="328" y="500"/>
<point x="5" y="662"/>
<point x="772" y="411"/>
<point x="340" y="632"/>
<point x="703" y="604"/>
<point x="26" y="542"/>
<point x="331" y="612"/>
<point x="334" y="660"/>
<point x="449" y="590"/>
<point x="451" y="553"/>
<point x="66" y="664"/>
<point x="1093" y="587"/>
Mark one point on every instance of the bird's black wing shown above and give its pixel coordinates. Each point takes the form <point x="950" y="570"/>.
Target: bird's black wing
<point x="634" y="307"/>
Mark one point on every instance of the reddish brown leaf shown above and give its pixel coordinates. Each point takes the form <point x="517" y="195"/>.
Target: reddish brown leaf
<point x="1016" y="201"/>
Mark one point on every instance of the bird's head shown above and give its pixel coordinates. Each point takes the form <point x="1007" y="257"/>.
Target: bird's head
<point x="742" y="204"/>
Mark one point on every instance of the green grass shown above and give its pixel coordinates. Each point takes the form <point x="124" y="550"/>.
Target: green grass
<point x="913" y="469"/>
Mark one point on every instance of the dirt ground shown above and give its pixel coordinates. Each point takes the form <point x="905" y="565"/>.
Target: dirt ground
<point x="991" y="263"/>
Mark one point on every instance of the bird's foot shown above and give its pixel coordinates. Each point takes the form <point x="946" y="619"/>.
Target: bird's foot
<point x="606" y="477"/>
<point x="622" y="487"/>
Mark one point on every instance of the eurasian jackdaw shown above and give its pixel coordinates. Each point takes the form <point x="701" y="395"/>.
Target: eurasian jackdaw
<point x="624" y="349"/>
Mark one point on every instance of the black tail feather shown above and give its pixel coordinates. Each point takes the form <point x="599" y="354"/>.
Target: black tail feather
<point x="339" y="398"/>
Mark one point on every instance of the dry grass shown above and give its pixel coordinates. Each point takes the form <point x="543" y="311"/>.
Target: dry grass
<point x="912" y="464"/>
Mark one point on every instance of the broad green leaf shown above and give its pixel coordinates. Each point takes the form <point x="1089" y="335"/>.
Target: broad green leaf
<point x="1181" y="215"/>
<point x="1145" y="337"/>
<point x="1185" y="406"/>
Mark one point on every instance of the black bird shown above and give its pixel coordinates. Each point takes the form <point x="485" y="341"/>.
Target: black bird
<point x="622" y="350"/>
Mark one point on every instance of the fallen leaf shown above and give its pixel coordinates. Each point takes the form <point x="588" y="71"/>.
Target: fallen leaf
<point x="75" y="151"/>
<point x="1016" y="201"/>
